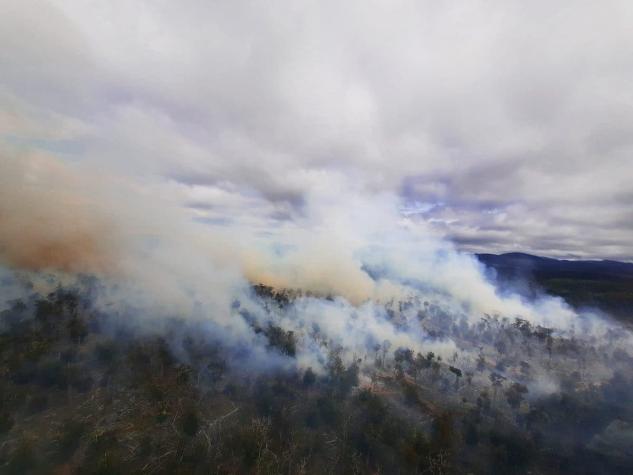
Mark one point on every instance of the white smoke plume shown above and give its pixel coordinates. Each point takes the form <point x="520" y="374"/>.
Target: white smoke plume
<point x="364" y="274"/>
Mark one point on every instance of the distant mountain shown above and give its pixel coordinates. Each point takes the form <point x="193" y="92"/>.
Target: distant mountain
<point x="604" y="284"/>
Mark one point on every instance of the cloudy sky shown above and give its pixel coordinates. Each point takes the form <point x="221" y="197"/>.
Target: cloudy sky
<point x="506" y="126"/>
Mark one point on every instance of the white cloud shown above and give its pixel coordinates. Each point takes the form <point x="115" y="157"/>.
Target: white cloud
<point x="525" y="108"/>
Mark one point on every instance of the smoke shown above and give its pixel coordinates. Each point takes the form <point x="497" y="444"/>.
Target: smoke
<point x="51" y="218"/>
<point x="367" y="278"/>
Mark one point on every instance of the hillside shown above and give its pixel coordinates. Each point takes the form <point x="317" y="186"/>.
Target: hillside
<point x="88" y="391"/>
<point x="607" y="285"/>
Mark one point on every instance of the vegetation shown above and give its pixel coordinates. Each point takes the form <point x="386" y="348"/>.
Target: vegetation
<point x="78" y="395"/>
<point x="605" y="285"/>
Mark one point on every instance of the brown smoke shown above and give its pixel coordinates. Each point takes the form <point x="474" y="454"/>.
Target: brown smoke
<point x="50" y="217"/>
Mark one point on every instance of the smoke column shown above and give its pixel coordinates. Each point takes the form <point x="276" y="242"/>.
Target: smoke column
<point x="154" y="262"/>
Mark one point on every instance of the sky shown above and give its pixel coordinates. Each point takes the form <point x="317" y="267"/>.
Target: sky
<point x="498" y="125"/>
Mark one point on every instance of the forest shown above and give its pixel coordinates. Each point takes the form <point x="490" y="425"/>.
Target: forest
<point x="87" y="391"/>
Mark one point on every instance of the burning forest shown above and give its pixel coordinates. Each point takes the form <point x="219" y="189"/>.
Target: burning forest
<point x="248" y="238"/>
<point x="401" y="386"/>
<point x="346" y="346"/>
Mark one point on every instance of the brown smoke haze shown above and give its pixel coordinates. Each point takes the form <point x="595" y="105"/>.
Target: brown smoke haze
<point x="50" y="218"/>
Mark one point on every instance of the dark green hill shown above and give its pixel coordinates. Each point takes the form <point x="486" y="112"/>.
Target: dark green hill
<point x="607" y="285"/>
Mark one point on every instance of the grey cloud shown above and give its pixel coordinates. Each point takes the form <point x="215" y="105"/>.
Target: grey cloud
<point x="516" y="117"/>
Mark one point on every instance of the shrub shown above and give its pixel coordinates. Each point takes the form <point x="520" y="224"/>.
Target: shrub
<point x="69" y="438"/>
<point x="37" y="403"/>
<point x="190" y="423"/>
<point x="22" y="460"/>
<point x="6" y="422"/>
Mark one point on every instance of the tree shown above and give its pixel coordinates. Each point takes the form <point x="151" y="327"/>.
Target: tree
<point x="500" y="345"/>
<point x="435" y="366"/>
<point x="309" y="378"/>
<point x="77" y="330"/>
<point x="282" y="340"/>
<point x="458" y="374"/>
<point x="515" y="393"/>
<point x="404" y="356"/>
<point x="443" y="439"/>
<point x="525" y="369"/>
<point x="497" y="380"/>
<point x="483" y="402"/>
<point x="481" y="362"/>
